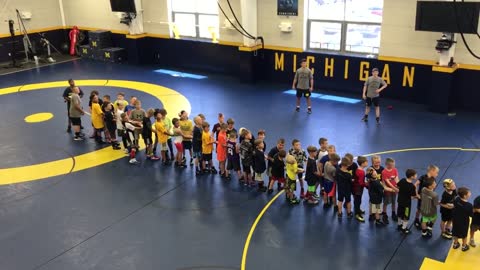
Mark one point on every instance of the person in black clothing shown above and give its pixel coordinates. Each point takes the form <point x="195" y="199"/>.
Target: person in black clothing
<point x="375" y="191"/>
<point x="275" y="150"/>
<point x="147" y="134"/>
<point x="259" y="165"/>
<point x="343" y="178"/>
<point x="197" y="143"/>
<point x="432" y="171"/>
<point x="66" y="96"/>
<point x="111" y="125"/>
<point x="311" y="174"/>
<point x="446" y="207"/>
<point x="246" y="155"/>
<point x="462" y="212"/>
<point x="406" y="192"/>
<point x="475" y="226"/>
<point x="277" y="169"/>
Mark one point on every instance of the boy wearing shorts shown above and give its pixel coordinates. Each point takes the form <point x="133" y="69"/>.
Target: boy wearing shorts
<point x="329" y="181"/>
<point x="291" y="185"/>
<point x="406" y="192"/>
<point x="207" y="149"/>
<point x="275" y="150"/>
<point x="177" y="140"/>
<point x="475" y="225"/>
<point x="246" y="155"/>
<point x="371" y="94"/>
<point x="259" y="165"/>
<point x="343" y="179"/>
<point x="358" y="186"/>
<point x="311" y="174"/>
<point x="222" y="149"/>
<point x="390" y="179"/>
<point x="233" y="156"/>
<point x="277" y="170"/>
<point x="303" y="83"/>
<point x="162" y="137"/>
<point x="432" y="171"/>
<point x="195" y="144"/>
<point x="376" y="191"/>
<point x="446" y="207"/>
<point x="300" y="156"/>
<point x="428" y="207"/>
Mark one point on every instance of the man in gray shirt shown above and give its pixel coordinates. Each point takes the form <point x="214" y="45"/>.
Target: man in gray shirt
<point x="303" y="82"/>
<point x="371" y="94"/>
<point x="76" y="112"/>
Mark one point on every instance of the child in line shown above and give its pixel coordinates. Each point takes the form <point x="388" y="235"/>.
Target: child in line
<point x="321" y="167"/>
<point x="376" y="190"/>
<point x="278" y="170"/>
<point x="129" y="128"/>
<point x="111" y="125"/>
<point x="406" y="192"/>
<point x="120" y="100"/>
<point x="261" y="135"/>
<point x="300" y="156"/>
<point x="230" y="126"/>
<point x="233" y="156"/>
<point x="475" y="226"/>
<point x="207" y="149"/>
<point x="432" y="172"/>
<point x="343" y="180"/>
<point x="136" y="115"/>
<point x="429" y="206"/>
<point x="246" y="154"/>
<point x="168" y="125"/>
<point x="462" y="212"/>
<point x="446" y="207"/>
<point x="358" y="186"/>
<point x="147" y="134"/>
<point x="196" y="143"/>
<point x="377" y="166"/>
<point x="130" y="107"/>
<point x="311" y="174"/>
<point x="222" y="149"/>
<point x="329" y="181"/>
<point x="120" y="128"/>
<point x="162" y="137"/>
<point x="390" y="179"/>
<point x="217" y="127"/>
<point x="271" y="155"/>
<point x="291" y="185"/>
<point x="259" y="165"/>
<point x="177" y="140"/>
<point x="97" y="119"/>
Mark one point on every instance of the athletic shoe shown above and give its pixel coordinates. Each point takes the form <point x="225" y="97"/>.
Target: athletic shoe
<point x="213" y="170"/>
<point x="394" y="217"/>
<point x="315" y="196"/>
<point x="191" y="162"/>
<point x="399" y="227"/>
<point x="350" y="215"/>
<point x="69" y="129"/>
<point x="312" y="201"/>
<point x="155" y="158"/>
<point x="417" y="224"/>
<point x="309" y="111"/>
<point x="378" y="120"/>
<point x="426" y="234"/>
<point x="365" y="119"/>
<point x="297" y="109"/>
<point x="116" y="147"/>
<point x="456" y="245"/>
<point x="385" y="218"/>
<point x="472" y="243"/>
<point x="446" y="235"/>
<point x="406" y="231"/>
<point x="77" y="138"/>
<point x="378" y="222"/>
<point x="228" y="177"/>
<point x="359" y="218"/>
<point x="429" y="228"/>
<point x="465" y="247"/>
<point x="133" y="161"/>
<point x="362" y="212"/>
<point x="198" y="172"/>
<point x="448" y="232"/>
<point x="293" y="201"/>
<point x="339" y="215"/>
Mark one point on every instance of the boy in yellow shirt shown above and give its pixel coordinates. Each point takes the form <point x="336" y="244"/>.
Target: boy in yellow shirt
<point x="291" y="185"/>
<point x="207" y="149"/>
<point x="97" y="119"/>
<point x="163" y="134"/>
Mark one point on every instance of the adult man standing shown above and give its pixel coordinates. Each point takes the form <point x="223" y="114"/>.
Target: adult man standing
<point x="303" y="83"/>
<point x="75" y="113"/>
<point x="66" y="96"/>
<point x="371" y="94"/>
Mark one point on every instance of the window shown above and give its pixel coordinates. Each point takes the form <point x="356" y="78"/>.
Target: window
<point x="196" y="18"/>
<point x="344" y="25"/>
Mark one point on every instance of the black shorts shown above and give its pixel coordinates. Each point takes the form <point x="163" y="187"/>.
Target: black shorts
<point x="147" y="139"/>
<point x="375" y="101"/>
<point x="291" y="185"/>
<point x="187" y="145"/>
<point x="404" y="211"/>
<point x="447" y="214"/>
<point x="344" y="195"/>
<point x="76" y="121"/>
<point x="303" y="92"/>
<point x="233" y="165"/>
<point x="207" y="157"/>
<point x="247" y="168"/>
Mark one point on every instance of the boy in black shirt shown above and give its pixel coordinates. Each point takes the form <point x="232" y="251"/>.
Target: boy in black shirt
<point x="475" y="226"/>
<point x="277" y="169"/>
<point x="311" y="174"/>
<point x="432" y="171"/>
<point x="446" y="207"/>
<point x="259" y="165"/>
<point x="280" y="146"/>
<point x="406" y="192"/>
<point x="462" y="212"/>
<point x="246" y="155"/>
<point x="197" y="143"/>
<point x="147" y="134"/>
<point x="343" y="179"/>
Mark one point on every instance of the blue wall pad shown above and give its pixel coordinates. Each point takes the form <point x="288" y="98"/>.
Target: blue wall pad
<point x="327" y="97"/>
<point x="180" y="74"/>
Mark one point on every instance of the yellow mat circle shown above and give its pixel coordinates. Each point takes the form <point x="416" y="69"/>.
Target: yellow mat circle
<point x="38" y="117"/>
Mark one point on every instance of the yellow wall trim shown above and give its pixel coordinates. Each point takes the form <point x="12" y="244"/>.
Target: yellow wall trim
<point x="406" y="60"/>
<point x="39" y="30"/>
<point x="445" y="69"/>
<point x="285" y="49"/>
<point x="230" y="43"/>
<point x="249" y="49"/>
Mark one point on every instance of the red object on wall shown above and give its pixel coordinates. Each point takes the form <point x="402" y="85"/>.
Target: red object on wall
<point x="73" y="35"/>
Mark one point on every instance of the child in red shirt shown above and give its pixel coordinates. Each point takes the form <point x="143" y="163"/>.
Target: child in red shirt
<point x="390" y="180"/>
<point x="358" y="185"/>
<point x="222" y="148"/>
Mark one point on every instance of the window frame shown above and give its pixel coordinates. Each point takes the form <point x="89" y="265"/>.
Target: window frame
<point x="197" y="24"/>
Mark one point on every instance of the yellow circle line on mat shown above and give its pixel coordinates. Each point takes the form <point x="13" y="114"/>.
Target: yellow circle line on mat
<point x="172" y="101"/>
<point x="243" y="265"/>
<point x="38" y="117"/>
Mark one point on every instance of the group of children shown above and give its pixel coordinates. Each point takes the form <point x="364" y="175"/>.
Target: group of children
<point x="333" y="179"/>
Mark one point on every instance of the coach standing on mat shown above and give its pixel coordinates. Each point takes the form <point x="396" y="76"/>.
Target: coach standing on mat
<point x="66" y="96"/>
<point x="371" y="94"/>
<point x="303" y="83"/>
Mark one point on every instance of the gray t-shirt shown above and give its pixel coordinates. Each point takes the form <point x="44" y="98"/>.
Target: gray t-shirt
<point x="372" y="85"/>
<point x="303" y="77"/>
<point x="429" y="202"/>
<point x="75" y="100"/>
<point x="137" y="115"/>
<point x="329" y="172"/>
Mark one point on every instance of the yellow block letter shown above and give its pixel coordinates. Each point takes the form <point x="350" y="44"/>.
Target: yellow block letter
<point x="386" y="73"/>
<point x="279" y="61"/>
<point x="345" y="74"/>
<point x="311" y="59"/>
<point x="408" y="75"/>
<point x="364" y="70"/>
<point x="329" y="62"/>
